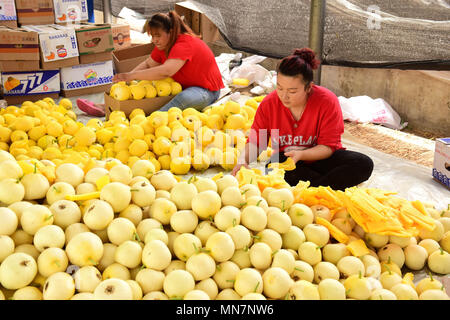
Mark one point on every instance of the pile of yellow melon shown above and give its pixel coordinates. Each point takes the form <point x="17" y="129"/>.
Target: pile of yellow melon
<point x="144" y="89"/>
<point x="176" y="140"/>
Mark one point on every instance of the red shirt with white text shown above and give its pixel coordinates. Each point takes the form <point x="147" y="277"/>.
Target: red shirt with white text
<point x="321" y="122"/>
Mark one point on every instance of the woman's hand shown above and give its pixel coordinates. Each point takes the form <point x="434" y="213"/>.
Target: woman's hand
<point x="296" y="155"/>
<point x="238" y="167"/>
<point x="121" y="77"/>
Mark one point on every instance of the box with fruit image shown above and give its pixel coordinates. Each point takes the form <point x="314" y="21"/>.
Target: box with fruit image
<point x="69" y="11"/>
<point x="146" y="95"/>
<point x="121" y="36"/>
<point x="35" y="12"/>
<point x="95" y="42"/>
<point x="21" y="86"/>
<point x="8" y="16"/>
<point x="86" y="78"/>
<point x="441" y="165"/>
<point x="58" y="46"/>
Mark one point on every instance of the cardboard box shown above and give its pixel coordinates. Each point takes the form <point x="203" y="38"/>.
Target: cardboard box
<point x="69" y="11"/>
<point x="35" y="12"/>
<point x="8" y="16"/>
<point x="85" y="91"/>
<point x="22" y="86"/>
<point x="441" y="165"/>
<point x="198" y="21"/>
<point x="95" y="42"/>
<point x="18" y="44"/>
<point x="121" y="36"/>
<point x="148" y="105"/>
<point x="127" y="59"/>
<point x="58" y="46"/>
<point x="86" y="76"/>
<point x="19" y="65"/>
<point x="17" y="100"/>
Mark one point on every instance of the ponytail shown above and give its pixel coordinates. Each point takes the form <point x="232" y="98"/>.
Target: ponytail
<point x="170" y="23"/>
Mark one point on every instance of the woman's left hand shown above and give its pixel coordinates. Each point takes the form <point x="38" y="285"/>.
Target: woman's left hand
<point x="296" y="155"/>
<point x="121" y="77"/>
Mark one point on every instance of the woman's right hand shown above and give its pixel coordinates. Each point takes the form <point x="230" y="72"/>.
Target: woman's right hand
<point x="238" y="167"/>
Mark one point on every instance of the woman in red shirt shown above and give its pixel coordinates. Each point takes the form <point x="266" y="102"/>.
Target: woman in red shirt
<point x="179" y="54"/>
<point x="304" y="121"/>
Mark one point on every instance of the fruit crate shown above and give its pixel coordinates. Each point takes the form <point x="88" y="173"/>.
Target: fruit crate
<point x="148" y="105"/>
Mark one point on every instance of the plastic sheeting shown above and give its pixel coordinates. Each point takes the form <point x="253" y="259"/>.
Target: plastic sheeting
<point x="394" y="33"/>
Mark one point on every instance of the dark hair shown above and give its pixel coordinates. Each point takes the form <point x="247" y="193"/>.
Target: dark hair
<point x="170" y="23"/>
<point x="300" y="62"/>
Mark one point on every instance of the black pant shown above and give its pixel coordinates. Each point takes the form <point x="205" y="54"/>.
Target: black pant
<point x="342" y="170"/>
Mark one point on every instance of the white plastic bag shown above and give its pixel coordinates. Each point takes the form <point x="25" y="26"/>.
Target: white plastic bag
<point x="251" y="70"/>
<point x="364" y="109"/>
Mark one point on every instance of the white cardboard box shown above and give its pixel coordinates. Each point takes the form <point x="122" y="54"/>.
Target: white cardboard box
<point x="441" y="166"/>
<point x="8" y="10"/>
<point x="67" y="11"/>
<point x="56" y="42"/>
<point x="87" y="75"/>
<point x="30" y="83"/>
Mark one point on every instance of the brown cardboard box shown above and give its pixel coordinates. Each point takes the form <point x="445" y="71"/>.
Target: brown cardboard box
<point x="18" y="44"/>
<point x="35" y="12"/>
<point x="198" y="21"/>
<point x="127" y="59"/>
<point x="70" y="11"/>
<point x="19" y="65"/>
<point x="58" y="46"/>
<point x="95" y="42"/>
<point x="15" y="100"/>
<point x="8" y="15"/>
<point x="441" y="163"/>
<point x="121" y="36"/>
<point x="148" y="105"/>
<point x="85" y="91"/>
<point x="8" y="23"/>
<point x="60" y="63"/>
<point x="96" y="57"/>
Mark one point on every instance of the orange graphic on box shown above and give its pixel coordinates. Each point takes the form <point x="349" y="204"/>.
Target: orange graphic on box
<point x="11" y="83"/>
<point x="51" y="56"/>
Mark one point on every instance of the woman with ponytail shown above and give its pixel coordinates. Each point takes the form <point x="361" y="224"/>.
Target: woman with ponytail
<point x="304" y="122"/>
<point x="180" y="54"/>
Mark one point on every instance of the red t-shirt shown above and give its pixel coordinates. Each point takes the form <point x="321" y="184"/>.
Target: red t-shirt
<point x="200" y="69"/>
<point x="321" y="122"/>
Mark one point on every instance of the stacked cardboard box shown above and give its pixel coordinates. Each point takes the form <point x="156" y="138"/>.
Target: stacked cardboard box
<point x="58" y="46"/>
<point x="95" y="42"/>
<point x="70" y="11"/>
<point x="441" y="165"/>
<point x="35" y="12"/>
<point x="19" y="49"/>
<point x="86" y="78"/>
<point x="8" y="15"/>
<point x="21" y="79"/>
<point x="121" y="36"/>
